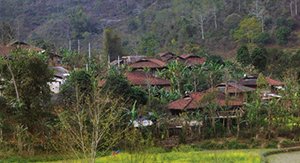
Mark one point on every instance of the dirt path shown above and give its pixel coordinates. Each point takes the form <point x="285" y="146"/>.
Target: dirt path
<point x="291" y="157"/>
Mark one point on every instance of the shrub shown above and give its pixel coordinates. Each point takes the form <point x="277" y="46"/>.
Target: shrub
<point x="282" y="34"/>
<point x="234" y="144"/>
<point x="263" y="38"/>
<point x="243" y="55"/>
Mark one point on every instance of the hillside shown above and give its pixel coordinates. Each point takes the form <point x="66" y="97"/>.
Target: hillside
<point x="176" y="25"/>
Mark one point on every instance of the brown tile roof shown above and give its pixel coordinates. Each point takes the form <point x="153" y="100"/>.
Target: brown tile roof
<point x="234" y="87"/>
<point x="273" y="82"/>
<point x="191" y="59"/>
<point x="193" y="101"/>
<point x="141" y="78"/>
<point x="151" y="63"/>
<point x="4" y="50"/>
<point x="166" y="56"/>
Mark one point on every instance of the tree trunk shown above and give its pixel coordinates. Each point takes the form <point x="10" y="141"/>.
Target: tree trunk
<point x="291" y="8"/>
<point x="202" y="27"/>
<point x="296" y="7"/>
<point x="14" y="81"/>
<point x="262" y="23"/>
<point x="215" y="17"/>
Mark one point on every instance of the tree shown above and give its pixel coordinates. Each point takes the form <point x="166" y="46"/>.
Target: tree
<point x="149" y="45"/>
<point x="232" y="21"/>
<point x="247" y="31"/>
<point x="26" y="77"/>
<point x="112" y="45"/>
<point x="79" y="81"/>
<point x="118" y="86"/>
<point x="243" y="55"/>
<point x="282" y="34"/>
<point x="93" y="126"/>
<point x="259" y="58"/>
<point x="81" y="24"/>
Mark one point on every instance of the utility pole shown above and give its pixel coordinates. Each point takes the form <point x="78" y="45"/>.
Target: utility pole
<point x="70" y="45"/>
<point x="90" y="55"/>
<point x="78" y="48"/>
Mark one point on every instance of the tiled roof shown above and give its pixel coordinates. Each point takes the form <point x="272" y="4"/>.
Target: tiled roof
<point x="273" y="82"/>
<point x="166" y="56"/>
<point x="188" y="102"/>
<point x="193" y="101"/>
<point x="4" y="50"/>
<point x="234" y="87"/>
<point x="148" y="63"/>
<point x="165" y="53"/>
<point x="191" y="59"/>
<point x="185" y="56"/>
<point x="141" y="78"/>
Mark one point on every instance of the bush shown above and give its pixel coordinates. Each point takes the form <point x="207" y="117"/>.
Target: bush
<point x="263" y="38"/>
<point x="243" y="56"/>
<point x="259" y="58"/>
<point x="282" y="34"/>
<point x="234" y="144"/>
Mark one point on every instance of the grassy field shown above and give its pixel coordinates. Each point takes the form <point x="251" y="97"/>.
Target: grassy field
<point x="222" y="156"/>
<point x="181" y="157"/>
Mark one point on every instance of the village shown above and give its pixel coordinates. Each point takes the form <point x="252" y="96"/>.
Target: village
<point x="229" y="96"/>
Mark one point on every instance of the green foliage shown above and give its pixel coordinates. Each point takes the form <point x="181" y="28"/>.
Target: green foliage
<point x="72" y="59"/>
<point x="112" y="45"/>
<point x="243" y="55"/>
<point x="215" y="59"/>
<point x="149" y="45"/>
<point x="26" y="88"/>
<point x="78" y="83"/>
<point x="259" y="58"/>
<point x="81" y="24"/>
<point x="262" y="82"/>
<point x="232" y="21"/>
<point x="117" y="85"/>
<point x="248" y="29"/>
<point x="262" y="38"/>
<point x="282" y="34"/>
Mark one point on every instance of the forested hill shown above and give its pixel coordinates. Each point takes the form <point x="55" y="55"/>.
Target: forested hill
<point x="149" y="26"/>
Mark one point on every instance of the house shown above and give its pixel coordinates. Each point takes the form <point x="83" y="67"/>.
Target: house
<point x="143" y="79"/>
<point x="234" y="89"/>
<point x="197" y="100"/>
<point x="267" y="94"/>
<point x="191" y="59"/>
<point x="60" y="76"/>
<point x="23" y="45"/>
<point x="167" y="56"/>
<point x="127" y="60"/>
<point x="55" y="59"/>
<point x="148" y="63"/>
<point x="5" y="50"/>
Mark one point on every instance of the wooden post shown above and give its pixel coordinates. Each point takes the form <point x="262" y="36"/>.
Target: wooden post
<point x="90" y="55"/>
<point x="78" y="48"/>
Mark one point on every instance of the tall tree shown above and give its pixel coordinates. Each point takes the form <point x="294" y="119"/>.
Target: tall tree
<point x="27" y="77"/>
<point x="112" y="45"/>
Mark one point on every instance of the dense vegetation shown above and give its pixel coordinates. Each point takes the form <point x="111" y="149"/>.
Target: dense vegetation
<point x="87" y="119"/>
